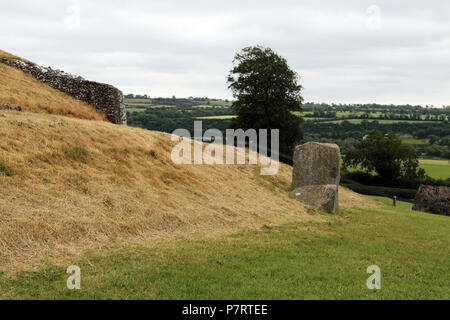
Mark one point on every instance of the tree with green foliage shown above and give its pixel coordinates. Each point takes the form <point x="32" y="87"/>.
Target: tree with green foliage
<point x="433" y="139"/>
<point x="385" y="154"/>
<point x="267" y="93"/>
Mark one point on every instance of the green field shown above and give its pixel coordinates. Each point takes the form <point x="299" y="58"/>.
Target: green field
<point x="135" y="109"/>
<point x="220" y="103"/>
<point x="373" y="114"/>
<point x="138" y="104"/>
<point x="203" y="106"/>
<point x="132" y="108"/>
<point x="315" y="260"/>
<point x="217" y="117"/>
<point x="215" y="106"/>
<point x="411" y="140"/>
<point x="157" y="106"/>
<point x="437" y="169"/>
<point x="138" y="101"/>
<point x="380" y="121"/>
<point x="312" y="119"/>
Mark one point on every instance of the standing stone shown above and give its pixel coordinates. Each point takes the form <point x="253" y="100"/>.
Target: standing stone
<point x="316" y="164"/>
<point x="434" y="195"/>
<point x="316" y="175"/>
<point x="323" y="197"/>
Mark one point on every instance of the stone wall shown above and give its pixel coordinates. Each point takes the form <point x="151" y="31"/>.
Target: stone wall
<point x="103" y="97"/>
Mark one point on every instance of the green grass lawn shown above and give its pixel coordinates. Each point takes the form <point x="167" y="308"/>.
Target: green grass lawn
<point x="326" y="260"/>
<point x="438" y="169"/>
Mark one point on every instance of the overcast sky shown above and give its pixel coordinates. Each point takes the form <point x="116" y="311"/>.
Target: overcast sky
<point x="345" y="51"/>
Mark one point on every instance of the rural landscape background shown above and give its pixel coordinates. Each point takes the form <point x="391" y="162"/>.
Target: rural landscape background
<point x="88" y="178"/>
<point x="424" y="128"/>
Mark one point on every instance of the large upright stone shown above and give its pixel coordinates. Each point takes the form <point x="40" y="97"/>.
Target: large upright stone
<point x="323" y="197"/>
<point x="316" y="164"/>
<point x="316" y="175"/>
<point x="435" y="195"/>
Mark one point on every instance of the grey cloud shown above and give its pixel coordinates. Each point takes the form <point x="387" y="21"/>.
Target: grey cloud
<point x="186" y="47"/>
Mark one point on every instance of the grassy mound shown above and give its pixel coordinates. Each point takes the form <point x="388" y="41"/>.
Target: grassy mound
<point x="69" y="185"/>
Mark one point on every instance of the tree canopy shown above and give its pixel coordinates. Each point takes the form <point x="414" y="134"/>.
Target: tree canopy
<point x="267" y="93"/>
<point x="385" y="154"/>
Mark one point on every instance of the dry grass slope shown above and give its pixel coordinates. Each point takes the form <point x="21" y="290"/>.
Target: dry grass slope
<point x="20" y="89"/>
<point x="69" y="185"/>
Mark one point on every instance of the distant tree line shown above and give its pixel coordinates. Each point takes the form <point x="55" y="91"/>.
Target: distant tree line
<point x="346" y="134"/>
<point x="376" y="112"/>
